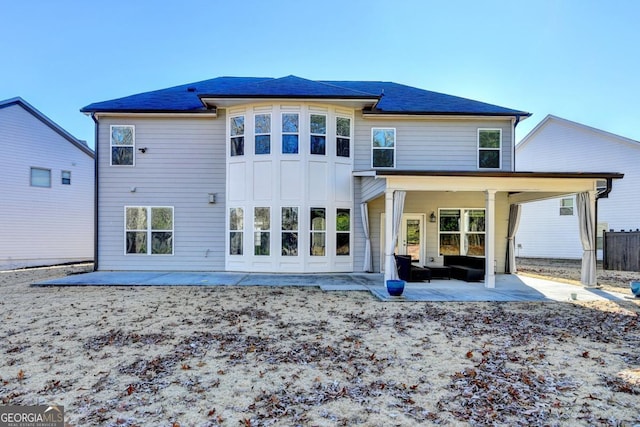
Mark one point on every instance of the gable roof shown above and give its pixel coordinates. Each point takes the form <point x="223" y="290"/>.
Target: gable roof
<point x="547" y="121"/>
<point x="82" y="145"/>
<point x="373" y="96"/>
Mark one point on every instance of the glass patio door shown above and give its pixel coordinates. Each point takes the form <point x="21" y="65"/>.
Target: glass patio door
<point x="411" y="237"/>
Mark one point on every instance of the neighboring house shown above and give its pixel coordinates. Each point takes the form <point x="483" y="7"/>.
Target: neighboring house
<point x="549" y="228"/>
<point x="47" y="188"/>
<point x="294" y="175"/>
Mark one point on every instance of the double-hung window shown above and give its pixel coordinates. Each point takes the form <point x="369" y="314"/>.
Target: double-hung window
<point x="383" y="146"/>
<point x="318" y="234"/>
<point x="66" y="177"/>
<point x="262" y="133"/>
<point x="289" y="232"/>
<point x="236" y="231"/>
<point x="122" y="145"/>
<point x="236" y="136"/>
<point x="262" y="230"/>
<point x="290" y="133"/>
<point x="149" y="230"/>
<point x="343" y="231"/>
<point x="343" y="136"/>
<point x="489" y="148"/>
<point x="566" y="206"/>
<point x="318" y="131"/>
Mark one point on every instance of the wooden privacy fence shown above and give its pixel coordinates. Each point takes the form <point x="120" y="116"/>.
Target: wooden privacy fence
<point x="621" y="250"/>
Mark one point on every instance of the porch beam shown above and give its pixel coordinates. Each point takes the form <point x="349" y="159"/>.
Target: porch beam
<point x="490" y="239"/>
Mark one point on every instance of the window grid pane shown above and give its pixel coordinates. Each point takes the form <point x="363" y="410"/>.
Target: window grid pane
<point x="317" y="238"/>
<point x="290" y="129"/>
<point x="144" y="224"/>
<point x="122" y="145"/>
<point x="261" y="227"/>
<point x="289" y="234"/>
<point x="383" y="142"/>
<point x="318" y="130"/>
<point x="262" y="133"/>
<point x="343" y="229"/>
<point x="236" y="132"/>
<point x="236" y="227"/>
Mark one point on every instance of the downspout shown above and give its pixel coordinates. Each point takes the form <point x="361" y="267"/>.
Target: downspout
<point x="602" y="195"/>
<point x="95" y="195"/>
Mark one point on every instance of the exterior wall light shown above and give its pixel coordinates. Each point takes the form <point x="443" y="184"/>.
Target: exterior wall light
<point x="432" y="217"/>
<point x="212" y="198"/>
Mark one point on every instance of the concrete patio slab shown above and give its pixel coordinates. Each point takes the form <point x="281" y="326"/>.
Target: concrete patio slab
<point x="508" y="287"/>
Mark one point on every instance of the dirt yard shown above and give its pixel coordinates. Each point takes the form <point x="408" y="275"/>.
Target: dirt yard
<point x="258" y="356"/>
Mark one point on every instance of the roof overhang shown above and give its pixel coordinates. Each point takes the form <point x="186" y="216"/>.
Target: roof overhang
<point x="368" y="114"/>
<point x="217" y="101"/>
<point x="521" y="186"/>
<point x="154" y="114"/>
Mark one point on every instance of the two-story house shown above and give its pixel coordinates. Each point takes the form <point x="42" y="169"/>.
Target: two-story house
<point x="46" y="184"/>
<point x="294" y="175"/>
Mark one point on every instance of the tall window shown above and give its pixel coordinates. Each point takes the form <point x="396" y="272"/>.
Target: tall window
<point x="122" y="145"/>
<point x="566" y="206"/>
<point x="489" y="148"/>
<point x="343" y="231"/>
<point x="40" y="177"/>
<point x="149" y="230"/>
<point x="66" y="177"/>
<point x="383" y="145"/>
<point x="318" y="234"/>
<point x="261" y="230"/>
<point x="343" y="136"/>
<point x="263" y="134"/>
<point x="462" y="232"/>
<point x="290" y="133"/>
<point x="289" y="231"/>
<point x="318" y="130"/>
<point x="236" y="230"/>
<point x="237" y="135"/>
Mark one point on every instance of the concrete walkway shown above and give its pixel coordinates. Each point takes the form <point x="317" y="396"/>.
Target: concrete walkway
<point x="508" y="287"/>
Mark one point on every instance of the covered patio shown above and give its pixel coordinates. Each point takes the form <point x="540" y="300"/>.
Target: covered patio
<point x="497" y="195"/>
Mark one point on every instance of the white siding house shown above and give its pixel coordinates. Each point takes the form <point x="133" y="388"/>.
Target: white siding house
<point x="549" y="228"/>
<point x="277" y="175"/>
<point x="47" y="188"/>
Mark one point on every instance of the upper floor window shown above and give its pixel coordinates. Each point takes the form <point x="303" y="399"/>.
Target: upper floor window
<point x="383" y="145"/>
<point x="343" y="136"/>
<point x="40" y="177"/>
<point x="122" y="145"/>
<point x="290" y="133"/>
<point x="66" y="177"/>
<point x="566" y="206"/>
<point x="318" y="130"/>
<point x="262" y="133"/>
<point x="237" y="136"/>
<point x="149" y="230"/>
<point x="489" y="148"/>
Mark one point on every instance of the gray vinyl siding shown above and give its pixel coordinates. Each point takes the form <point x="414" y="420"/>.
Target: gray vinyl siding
<point x="184" y="162"/>
<point x="42" y="226"/>
<point x="432" y="144"/>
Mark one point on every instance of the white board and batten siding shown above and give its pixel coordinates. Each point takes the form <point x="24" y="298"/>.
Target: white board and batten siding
<point x="43" y="225"/>
<point x="184" y="162"/>
<point x="558" y="144"/>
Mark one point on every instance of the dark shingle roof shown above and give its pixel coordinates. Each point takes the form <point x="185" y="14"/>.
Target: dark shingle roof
<point x="385" y="97"/>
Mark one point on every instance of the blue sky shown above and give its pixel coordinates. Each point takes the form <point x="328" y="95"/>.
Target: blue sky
<point x="577" y="59"/>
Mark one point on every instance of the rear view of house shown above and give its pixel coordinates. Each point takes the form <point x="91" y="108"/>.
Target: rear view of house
<point x="294" y="175"/>
<point x="47" y="188"/>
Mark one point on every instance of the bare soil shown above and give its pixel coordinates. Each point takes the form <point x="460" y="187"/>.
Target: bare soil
<point x="285" y="356"/>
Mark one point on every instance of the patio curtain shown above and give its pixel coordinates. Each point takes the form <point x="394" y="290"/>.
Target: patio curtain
<point x="398" y="206"/>
<point x="586" y="222"/>
<point x="514" y="221"/>
<point x="364" y="213"/>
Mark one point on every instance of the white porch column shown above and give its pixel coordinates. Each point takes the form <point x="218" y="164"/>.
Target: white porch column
<point x="388" y="232"/>
<point x="490" y="239"/>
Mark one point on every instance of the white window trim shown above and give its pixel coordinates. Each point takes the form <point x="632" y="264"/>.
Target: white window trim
<point x="323" y="232"/>
<point x="283" y="133"/>
<point x="31" y="177"/>
<point x="150" y="230"/>
<point x="298" y="231"/>
<point x="499" y="149"/>
<point x="349" y="232"/>
<point x="239" y="230"/>
<point x="243" y="135"/>
<point x="133" y="146"/>
<point x="463" y="227"/>
<point x="261" y="230"/>
<point x="395" y="143"/>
